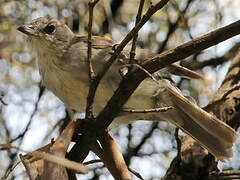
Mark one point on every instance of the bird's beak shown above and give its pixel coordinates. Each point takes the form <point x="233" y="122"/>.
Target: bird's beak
<point x="27" y="29"/>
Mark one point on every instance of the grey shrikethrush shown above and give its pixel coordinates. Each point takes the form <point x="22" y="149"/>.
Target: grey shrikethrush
<point x="62" y="61"/>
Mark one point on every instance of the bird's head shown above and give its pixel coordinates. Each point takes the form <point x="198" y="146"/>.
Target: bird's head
<point x="47" y="34"/>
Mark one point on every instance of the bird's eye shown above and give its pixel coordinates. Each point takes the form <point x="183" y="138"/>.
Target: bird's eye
<point x="50" y="29"/>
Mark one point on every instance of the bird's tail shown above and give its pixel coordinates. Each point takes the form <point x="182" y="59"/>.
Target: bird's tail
<point x="213" y="134"/>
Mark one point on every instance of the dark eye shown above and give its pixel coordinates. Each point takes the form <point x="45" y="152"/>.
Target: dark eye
<point x="50" y="29"/>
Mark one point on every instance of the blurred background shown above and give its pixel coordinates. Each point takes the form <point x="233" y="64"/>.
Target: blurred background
<point x="30" y="116"/>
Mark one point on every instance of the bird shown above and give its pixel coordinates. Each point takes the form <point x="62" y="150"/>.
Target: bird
<point x="62" y="62"/>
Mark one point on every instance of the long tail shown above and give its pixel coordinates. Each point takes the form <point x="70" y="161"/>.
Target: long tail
<point x="213" y="134"/>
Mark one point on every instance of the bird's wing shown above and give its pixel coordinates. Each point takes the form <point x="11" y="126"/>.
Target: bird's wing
<point x="102" y="43"/>
<point x="98" y="42"/>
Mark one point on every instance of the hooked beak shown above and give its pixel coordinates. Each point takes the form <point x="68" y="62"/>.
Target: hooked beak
<point x="27" y="29"/>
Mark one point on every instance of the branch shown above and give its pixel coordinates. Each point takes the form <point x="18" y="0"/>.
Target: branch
<point x="21" y="135"/>
<point x="130" y="169"/>
<point x="228" y="174"/>
<point x="80" y="150"/>
<point x="91" y="5"/>
<point x="128" y="85"/>
<point x="162" y="109"/>
<point x="196" y="45"/>
<point x="225" y="105"/>
<point x="135" y="173"/>
<point x="173" y="26"/>
<point x="125" y="41"/>
<point x="112" y="157"/>
<point x="134" y="151"/>
<point x="226" y="101"/>
<point x="195" y="65"/>
<point x="3" y="102"/>
<point x="10" y="170"/>
<point x="138" y="18"/>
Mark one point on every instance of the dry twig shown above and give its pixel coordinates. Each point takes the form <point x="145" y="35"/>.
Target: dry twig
<point x="228" y="174"/>
<point x="130" y="169"/>
<point x="129" y="36"/>
<point x="134" y="45"/>
<point x="10" y="170"/>
<point x="91" y="5"/>
<point x="128" y="85"/>
<point x="111" y="156"/>
<point x="162" y="109"/>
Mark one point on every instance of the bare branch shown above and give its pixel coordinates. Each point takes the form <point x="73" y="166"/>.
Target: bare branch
<point x="162" y="109"/>
<point x="226" y="101"/>
<point x="61" y="161"/>
<point x="135" y="150"/>
<point x="135" y="173"/>
<point x="173" y="26"/>
<point x="129" y="36"/>
<point x="130" y="169"/>
<point x="112" y="157"/>
<point x="179" y="143"/>
<point x="21" y="135"/>
<point x="10" y="170"/>
<point x="2" y="101"/>
<point x="91" y="5"/>
<point x="228" y="174"/>
<point x="228" y="95"/>
<point x="195" y="65"/>
<point x="138" y="18"/>
<point x="130" y="83"/>
<point x="92" y="161"/>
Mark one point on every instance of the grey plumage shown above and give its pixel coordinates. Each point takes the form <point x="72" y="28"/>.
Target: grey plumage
<point x="62" y="61"/>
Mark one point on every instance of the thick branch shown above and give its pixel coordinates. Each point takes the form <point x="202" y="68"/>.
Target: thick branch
<point x="112" y="157"/>
<point x="225" y="105"/>
<point x="133" y="79"/>
<point x="93" y="86"/>
<point x="195" y="65"/>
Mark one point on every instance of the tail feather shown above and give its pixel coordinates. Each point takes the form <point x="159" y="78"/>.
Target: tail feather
<point x="213" y="134"/>
<point x="220" y="148"/>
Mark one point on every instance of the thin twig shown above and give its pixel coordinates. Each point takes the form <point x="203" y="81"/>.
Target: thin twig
<point x="134" y="44"/>
<point x="128" y="85"/>
<point x="227" y="174"/>
<point x="223" y="98"/>
<point x="135" y="151"/>
<point x="92" y="162"/>
<point x="3" y="102"/>
<point x="196" y="65"/>
<point x="9" y="146"/>
<point x="80" y="168"/>
<point x="100" y="161"/>
<point x="10" y="170"/>
<point x="91" y="5"/>
<point x="162" y="109"/>
<point x="135" y="173"/>
<point x="179" y="143"/>
<point x="172" y="27"/>
<point x="51" y="158"/>
<point x="129" y="36"/>
<point x="21" y="135"/>
<point x="144" y="70"/>
<point x="153" y="9"/>
<point x="229" y="177"/>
